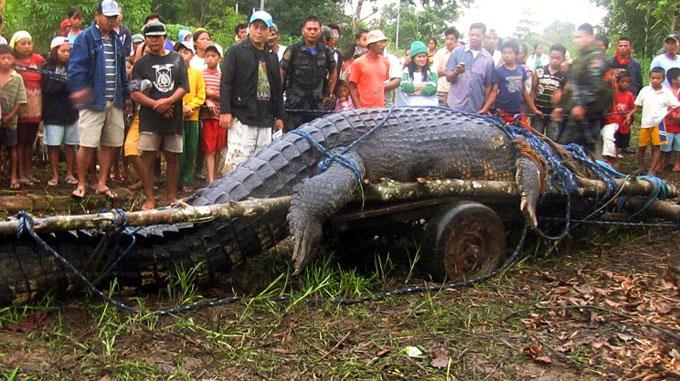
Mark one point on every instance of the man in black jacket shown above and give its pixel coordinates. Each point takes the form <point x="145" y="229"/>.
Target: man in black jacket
<point x="251" y="97"/>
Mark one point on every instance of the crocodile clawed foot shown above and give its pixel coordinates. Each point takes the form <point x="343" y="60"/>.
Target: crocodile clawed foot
<point x="529" y="211"/>
<point x="306" y="237"/>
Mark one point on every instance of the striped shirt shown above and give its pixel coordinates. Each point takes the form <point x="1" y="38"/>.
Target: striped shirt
<point x="110" y="65"/>
<point x="11" y="94"/>
<point x="212" y="83"/>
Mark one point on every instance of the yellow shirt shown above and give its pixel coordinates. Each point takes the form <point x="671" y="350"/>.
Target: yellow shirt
<point x="196" y="95"/>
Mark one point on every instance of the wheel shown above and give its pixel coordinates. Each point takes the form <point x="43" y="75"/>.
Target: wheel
<point x="463" y="241"/>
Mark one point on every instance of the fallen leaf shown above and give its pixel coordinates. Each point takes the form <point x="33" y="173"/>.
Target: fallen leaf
<point x="439" y="356"/>
<point x="560" y="290"/>
<point x="543" y="360"/>
<point x="624" y="337"/>
<point x="675" y="364"/>
<point x="414" y="352"/>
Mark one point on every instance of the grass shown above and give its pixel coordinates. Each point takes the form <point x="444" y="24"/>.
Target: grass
<point x="261" y="339"/>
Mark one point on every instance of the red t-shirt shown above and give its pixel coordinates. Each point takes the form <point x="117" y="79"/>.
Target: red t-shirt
<point x="623" y="103"/>
<point x="370" y="74"/>
<point x="672" y="120"/>
<point x="33" y="110"/>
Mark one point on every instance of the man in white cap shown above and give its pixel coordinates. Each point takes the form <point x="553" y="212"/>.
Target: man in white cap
<point x="251" y="97"/>
<point x="99" y="88"/>
<point x="669" y="58"/>
<point x="370" y="73"/>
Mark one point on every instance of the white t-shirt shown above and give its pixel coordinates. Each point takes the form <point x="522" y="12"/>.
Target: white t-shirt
<point x="198" y="63"/>
<point x="441" y="58"/>
<point x="655" y="104"/>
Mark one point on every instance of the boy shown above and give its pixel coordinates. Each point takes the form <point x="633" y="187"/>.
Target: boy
<point x="12" y="97"/>
<point x="616" y="130"/>
<point x="548" y="80"/>
<point x="672" y="123"/>
<point x="192" y="102"/>
<point x="160" y="115"/>
<point x="214" y="137"/>
<point x="655" y="99"/>
<point x="508" y="90"/>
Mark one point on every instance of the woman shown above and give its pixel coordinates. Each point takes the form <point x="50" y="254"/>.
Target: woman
<point x="27" y="62"/>
<point x="201" y="40"/>
<point x="431" y="50"/>
<point x="418" y="82"/>
<point x="59" y="115"/>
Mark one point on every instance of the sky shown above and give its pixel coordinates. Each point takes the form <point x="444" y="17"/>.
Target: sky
<point x="502" y="15"/>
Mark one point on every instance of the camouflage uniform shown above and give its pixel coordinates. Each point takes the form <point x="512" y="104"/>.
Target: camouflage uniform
<point x="590" y="90"/>
<point x="305" y="81"/>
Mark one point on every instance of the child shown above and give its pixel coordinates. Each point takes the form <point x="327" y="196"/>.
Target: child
<point x="616" y="130"/>
<point x="548" y="81"/>
<point x="12" y="96"/>
<point x="672" y="123"/>
<point x="75" y="15"/>
<point x="59" y="114"/>
<point x="192" y="102"/>
<point x="214" y="137"/>
<point x="418" y="82"/>
<point x="30" y="116"/>
<point x="509" y="91"/>
<point x="344" y="101"/>
<point x="655" y="99"/>
<point x="131" y="152"/>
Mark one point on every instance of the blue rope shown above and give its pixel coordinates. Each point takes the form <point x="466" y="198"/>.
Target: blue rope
<point x="330" y="156"/>
<point x="26" y="227"/>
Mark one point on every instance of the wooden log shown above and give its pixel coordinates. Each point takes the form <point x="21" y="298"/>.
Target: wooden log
<point x="382" y="192"/>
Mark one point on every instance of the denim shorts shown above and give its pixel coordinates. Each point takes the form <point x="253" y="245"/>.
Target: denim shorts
<point x="672" y="142"/>
<point x="57" y="135"/>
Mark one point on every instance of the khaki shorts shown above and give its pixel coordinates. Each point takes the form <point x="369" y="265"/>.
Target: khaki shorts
<point x="131" y="147"/>
<point x="148" y="141"/>
<point x="102" y="128"/>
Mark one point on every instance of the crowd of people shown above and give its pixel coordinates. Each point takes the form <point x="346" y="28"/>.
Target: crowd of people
<point x="120" y="100"/>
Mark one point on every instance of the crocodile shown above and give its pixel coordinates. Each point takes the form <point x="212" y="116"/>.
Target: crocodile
<point x="411" y="143"/>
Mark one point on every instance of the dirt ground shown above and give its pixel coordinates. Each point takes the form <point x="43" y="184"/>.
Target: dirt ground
<point x="602" y="305"/>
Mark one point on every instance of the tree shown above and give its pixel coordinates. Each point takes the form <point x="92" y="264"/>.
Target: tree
<point x="559" y="31"/>
<point x="41" y="18"/>
<point x="523" y="31"/>
<point x="645" y="21"/>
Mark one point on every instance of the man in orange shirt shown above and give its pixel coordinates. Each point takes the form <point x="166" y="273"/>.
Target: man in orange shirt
<point x="370" y="74"/>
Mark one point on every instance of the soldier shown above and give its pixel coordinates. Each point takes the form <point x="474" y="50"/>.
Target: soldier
<point x="305" y="68"/>
<point x="591" y="94"/>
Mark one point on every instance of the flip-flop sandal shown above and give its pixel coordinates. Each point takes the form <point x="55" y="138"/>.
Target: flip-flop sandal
<point x="108" y="193"/>
<point x="26" y="182"/>
<point x="71" y="180"/>
<point x="78" y="193"/>
<point x="52" y="182"/>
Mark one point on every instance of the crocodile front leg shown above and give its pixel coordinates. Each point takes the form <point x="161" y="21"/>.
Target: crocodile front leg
<point x="316" y="199"/>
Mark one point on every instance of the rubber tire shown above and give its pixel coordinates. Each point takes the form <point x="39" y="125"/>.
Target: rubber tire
<point x="463" y="241"/>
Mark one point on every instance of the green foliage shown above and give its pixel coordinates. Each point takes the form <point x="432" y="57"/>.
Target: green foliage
<point x="41" y="18"/>
<point x="417" y="23"/>
<point x="645" y="21"/>
<point x="288" y="15"/>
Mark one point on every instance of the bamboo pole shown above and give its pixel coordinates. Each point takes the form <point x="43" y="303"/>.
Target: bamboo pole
<point x="381" y="192"/>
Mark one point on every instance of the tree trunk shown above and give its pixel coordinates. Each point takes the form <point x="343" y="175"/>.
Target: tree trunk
<point x="382" y="192"/>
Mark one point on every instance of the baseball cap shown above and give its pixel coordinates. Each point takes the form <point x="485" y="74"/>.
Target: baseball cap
<point x="214" y="46"/>
<point x="182" y="34"/>
<point x="137" y="37"/>
<point x="108" y="8"/>
<point x="186" y="44"/>
<point x="263" y="16"/>
<point x="375" y="36"/>
<point x="65" y="23"/>
<point x="58" y="41"/>
<point x="672" y="36"/>
<point x="154" y="28"/>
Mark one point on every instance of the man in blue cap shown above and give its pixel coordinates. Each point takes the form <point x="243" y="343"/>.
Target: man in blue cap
<point x="251" y="97"/>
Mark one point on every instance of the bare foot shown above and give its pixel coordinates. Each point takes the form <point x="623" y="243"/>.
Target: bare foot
<point x="148" y="205"/>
